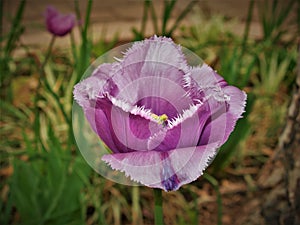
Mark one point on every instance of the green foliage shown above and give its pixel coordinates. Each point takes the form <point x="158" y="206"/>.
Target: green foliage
<point x="166" y="16"/>
<point x="272" y="71"/>
<point x="102" y="45"/>
<point x="216" y="187"/>
<point x="86" y="45"/>
<point x="272" y="17"/>
<point x="46" y="189"/>
<point x="208" y="35"/>
<point x="7" y="44"/>
<point x="234" y="67"/>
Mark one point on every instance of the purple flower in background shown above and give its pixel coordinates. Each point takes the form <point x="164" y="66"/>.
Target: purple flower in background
<point x="162" y="119"/>
<point x="59" y="24"/>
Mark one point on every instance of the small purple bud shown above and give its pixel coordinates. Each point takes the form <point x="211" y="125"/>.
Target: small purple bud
<point x="57" y="23"/>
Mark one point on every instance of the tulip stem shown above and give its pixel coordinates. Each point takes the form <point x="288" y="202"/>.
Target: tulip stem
<point x="158" y="211"/>
<point x="48" y="53"/>
<point x="37" y="96"/>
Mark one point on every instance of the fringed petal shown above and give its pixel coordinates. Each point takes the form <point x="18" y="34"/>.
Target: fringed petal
<point x="166" y="170"/>
<point x="225" y="104"/>
<point x="90" y="89"/>
<point x="161" y="51"/>
<point x="222" y="120"/>
<point x="161" y="95"/>
<point x="87" y="91"/>
<point x="203" y="82"/>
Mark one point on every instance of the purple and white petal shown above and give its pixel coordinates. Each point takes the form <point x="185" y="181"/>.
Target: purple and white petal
<point x="222" y="122"/>
<point x="182" y="131"/>
<point x="129" y="127"/>
<point x="161" y="51"/>
<point x="90" y="89"/>
<point x="166" y="170"/>
<point x="203" y="82"/>
<point x="161" y="95"/>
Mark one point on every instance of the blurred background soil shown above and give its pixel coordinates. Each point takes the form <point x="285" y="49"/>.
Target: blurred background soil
<point x="119" y="16"/>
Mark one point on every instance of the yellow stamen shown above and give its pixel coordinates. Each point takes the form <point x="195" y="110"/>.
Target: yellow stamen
<point x="160" y="119"/>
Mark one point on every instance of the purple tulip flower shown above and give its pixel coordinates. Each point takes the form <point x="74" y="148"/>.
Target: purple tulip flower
<point x="59" y="24"/>
<point x="162" y="119"/>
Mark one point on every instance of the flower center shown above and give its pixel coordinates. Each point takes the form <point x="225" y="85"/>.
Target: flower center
<point x="160" y="119"/>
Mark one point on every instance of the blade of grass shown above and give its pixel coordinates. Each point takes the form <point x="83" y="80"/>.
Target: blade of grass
<point x="48" y="53"/>
<point x="283" y="14"/>
<point x="56" y="97"/>
<point x="168" y="7"/>
<point x="153" y="17"/>
<point x="274" y="6"/>
<point x="136" y="210"/>
<point x="272" y="17"/>
<point x="145" y="17"/>
<point x="6" y="49"/>
<point x="13" y="110"/>
<point x="6" y="208"/>
<point x="87" y="18"/>
<point x="15" y="26"/>
<point x="55" y="199"/>
<point x="1" y="23"/>
<point x="78" y="14"/>
<point x="183" y="14"/>
<point x="36" y="124"/>
<point x="29" y="147"/>
<point x="73" y="47"/>
<point x="196" y="211"/>
<point x="57" y="171"/>
<point x="158" y="209"/>
<point x="85" y="49"/>
<point x="215" y="185"/>
<point x="298" y="20"/>
<point x="246" y="77"/>
<point x="116" y="212"/>
<point x="247" y="26"/>
<point x="24" y="186"/>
